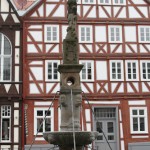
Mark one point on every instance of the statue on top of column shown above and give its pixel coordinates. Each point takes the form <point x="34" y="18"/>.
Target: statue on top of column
<point x="72" y="19"/>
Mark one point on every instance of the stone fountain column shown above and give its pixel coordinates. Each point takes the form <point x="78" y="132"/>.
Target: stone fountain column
<point x="70" y="92"/>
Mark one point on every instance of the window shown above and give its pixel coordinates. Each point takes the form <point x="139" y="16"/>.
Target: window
<point x="5" y="123"/>
<point x="104" y="2"/>
<point x="85" y="33"/>
<point x="51" y="70"/>
<point x="144" y="34"/>
<point x="5" y="58"/>
<point x="138" y="120"/>
<point x="51" y="33"/>
<point x="39" y="115"/>
<point x="115" y="34"/>
<point x="116" y="70"/>
<point x="145" y="70"/>
<point x="118" y="2"/>
<point x="87" y="73"/>
<point x="89" y="1"/>
<point x="131" y="70"/>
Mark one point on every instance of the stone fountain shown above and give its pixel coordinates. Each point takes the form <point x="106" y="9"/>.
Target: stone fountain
<point x="70" y="135"/>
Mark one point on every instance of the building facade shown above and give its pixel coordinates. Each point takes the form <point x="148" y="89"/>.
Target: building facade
<point x="114" y="47"/>
<point x="10" y="77"/>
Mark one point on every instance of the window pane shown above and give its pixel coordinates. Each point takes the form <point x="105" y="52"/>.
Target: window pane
<point x="134" y="112"/>
<point x="5" y="129"/>
<point x="39" y="121"/>
<point x="110" y="127"/>
<point x="39" y="113"/>
<point x="135" y="124"/>
<point x="47" y="124"/>
<point x="6" y="69"/>
<point x="142" y="124"/>
<point x="141" y="112"/>
<point x="7" y="47"/>
<point x="99" y="127"/>
<point x="110" y="137"/>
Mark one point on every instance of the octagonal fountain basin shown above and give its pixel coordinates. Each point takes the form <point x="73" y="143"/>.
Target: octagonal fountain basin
<point x="65" y="138"/>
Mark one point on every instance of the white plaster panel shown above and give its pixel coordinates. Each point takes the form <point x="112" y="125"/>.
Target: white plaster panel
<point x="40" y="139"/>
<point x="130" y="33"/>
<point x="17" y="55"/>
<point x="17" y="38"/>
<point x="16" y="73"/>
<point x="49" y="8"/>
<point x="16" y="117"/>
<point x="129" y="50"/>
<point x="88" y="126"/>
<point x="60" y="12"/>
<point x="7" y="87"/>
<point x="64" y="31"/>
<point x="36" y="35"/>
<point x="49" y="87"/>
<point x="90" y="86"/>
<point x="140" y="137"/>
<point x="120" y="115"/>
<point x="17" y="87"/>
<point x="121" y="130"/>
<point x="42" y="103"/>
<point x="144" y="11"/>
<point x="122" y="14"/>
<point x="79" y="10"/>
<point x="37" y="72"/>
<point x="16" y="147"/>
<point x="33" y="89"/>
<point x="133" y="13"/>
<point x="92" y="13"/>
<point x="4" y="6"/>
<point x="16" y="20"/>
<point x="129" y="88"/>
<point x="144" y="88"/>
<point x="87" y="115"/>
<point x="102" y="13"/>
<point x="104" y="102"/>
<point x="85" y="9"/>
<point x="142" y="48"/>
<point x="36" y="63"/>
<point x="35" y="27"/>
<point x="41" y="10"/>
<point x="101" y="65"/>
<point x="34" y="14"/>
<point x="4" y="17"/>
<point x="100" y="34"/>
<point x="16" y="134"/>
<point x="138" y="1"/>
<point x="113" y="46"/>
<point x="16" y="105"/>
<point x="84" y="88"/>
<point x="139" y="102"/>
<point x="122" y="145"/>
<point x="5" y="146"/>
<point x="121" y="88"/>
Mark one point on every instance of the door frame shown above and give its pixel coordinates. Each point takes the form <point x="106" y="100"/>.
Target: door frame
<point x="117" y="122"/>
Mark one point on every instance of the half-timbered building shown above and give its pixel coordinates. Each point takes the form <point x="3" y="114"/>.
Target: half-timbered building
<point x="10" y="77"/>
<point x="114" y="47"/>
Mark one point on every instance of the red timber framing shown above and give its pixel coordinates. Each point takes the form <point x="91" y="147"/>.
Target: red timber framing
<point x="123" y="96"/>
<point x="10" y="77"/>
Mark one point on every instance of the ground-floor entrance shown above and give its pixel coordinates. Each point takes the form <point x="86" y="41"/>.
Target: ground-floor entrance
<point x="105" y="122"/>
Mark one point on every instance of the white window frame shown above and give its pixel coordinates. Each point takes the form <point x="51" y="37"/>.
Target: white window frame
<point x="137" y="70"/>
<point x="141" y="68"/>
<point x="138" y="116"/>
<point x="91" y="34"/>
<point x="115" y="36"/>
<point x="104" y="2"/>
<point x="89" y="1"/>
<point x="3" y="56"/>
<point x="46" y="70"/>
<point x="5" y="117"/>
<point x="92" y="71"/>
<point x="35" y="119"/>
<point x="122" y="70"/>
<point x="139" y="34"/>
<point x="57" y="34"/>
<point x="119" y="3"/>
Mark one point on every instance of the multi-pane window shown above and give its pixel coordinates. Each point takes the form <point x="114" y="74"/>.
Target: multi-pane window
<point x="145" y="70"/>
<point x="5" y="123"/>
<point x="85" y="33"/>
<point x="104" y="1"/>
<point x="87" y="73"/>
<point x="89" y="1"/>
<point x="52" y="70"/>
<point x="116" y="69"/>
<point x="115" y="34"/>
<point x="5" y="58"/>
<point x="131" y="70"/>
<point x="119" y="2"/>
<point x="144" y="34"/>
<point x="42" y="124"/>
<point x="138" y="120"/>
<point x="51" y="33"/>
